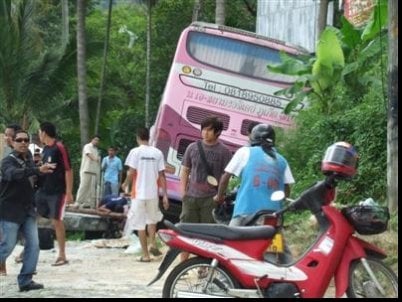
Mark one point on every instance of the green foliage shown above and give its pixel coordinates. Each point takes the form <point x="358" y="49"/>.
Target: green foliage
<point x="32" y="75"/>
<point x="75" y="235"/>
<point x="363" y="125"/>
<point x="330" y="61"/>
<point x="377" y="22"/>
<point x="233" y="9"/>
<point x="356" y="113"/>
<point x="345" y="56"/>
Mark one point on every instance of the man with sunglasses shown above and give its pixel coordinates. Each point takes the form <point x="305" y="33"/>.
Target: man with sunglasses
<point x="8" y="148"/>
<point x="8" y="137"/>
<point x="17" y="212"/>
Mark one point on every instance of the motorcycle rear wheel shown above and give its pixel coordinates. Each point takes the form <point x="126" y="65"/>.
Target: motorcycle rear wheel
<point x="189" y="279"/>
<point x="362" y="286"/>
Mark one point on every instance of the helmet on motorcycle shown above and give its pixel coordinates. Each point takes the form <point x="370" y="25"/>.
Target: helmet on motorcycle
<point x="223" y="213"/>
<point x="262" y="133"/>
<point x="340" y="158"/>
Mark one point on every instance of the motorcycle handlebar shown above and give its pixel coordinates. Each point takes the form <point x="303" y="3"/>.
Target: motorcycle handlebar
<point x="311" y="199"/>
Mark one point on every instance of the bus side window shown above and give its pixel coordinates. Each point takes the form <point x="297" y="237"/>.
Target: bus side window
<point x="183" y="144"/>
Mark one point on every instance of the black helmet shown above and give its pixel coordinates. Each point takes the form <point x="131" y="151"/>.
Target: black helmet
<point x="262" y="133"/>
<point x="223" y="213"/>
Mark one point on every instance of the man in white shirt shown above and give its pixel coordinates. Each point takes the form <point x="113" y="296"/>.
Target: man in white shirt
<point x="89" y="175"/>
<point x="145" y="175"/>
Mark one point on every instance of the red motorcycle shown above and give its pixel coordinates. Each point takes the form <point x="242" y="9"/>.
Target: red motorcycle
<point x="230" y="261"/>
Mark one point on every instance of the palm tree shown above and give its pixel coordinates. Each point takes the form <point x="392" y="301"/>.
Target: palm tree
<point x="104" y="61"/>
<point x="148" y="75"/>
<point x="81" y="73"/>
<point x="30" y="76"/>
<point x="220" y="12"/>
<point x="196" y="10"/>
<point x="65" y="28"/>
<point x="392" y="125"/>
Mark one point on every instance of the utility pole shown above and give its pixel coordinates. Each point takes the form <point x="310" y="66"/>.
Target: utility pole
<point x="392" y="125"/>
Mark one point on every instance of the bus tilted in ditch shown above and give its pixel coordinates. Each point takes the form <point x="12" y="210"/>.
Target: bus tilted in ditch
<point x="219" y="71"/>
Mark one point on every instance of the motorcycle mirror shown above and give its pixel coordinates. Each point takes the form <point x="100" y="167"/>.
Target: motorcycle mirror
<point x="278" y="196"/>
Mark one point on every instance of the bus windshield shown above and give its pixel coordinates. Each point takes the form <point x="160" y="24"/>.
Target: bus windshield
<point x="236" y="56"/>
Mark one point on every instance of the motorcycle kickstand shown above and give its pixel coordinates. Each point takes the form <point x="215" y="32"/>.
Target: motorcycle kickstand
<point x="258" y="287"/>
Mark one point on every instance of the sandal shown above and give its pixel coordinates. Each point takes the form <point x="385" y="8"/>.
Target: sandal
<point x="59" y="262"/>
<point x="141" y="259"/>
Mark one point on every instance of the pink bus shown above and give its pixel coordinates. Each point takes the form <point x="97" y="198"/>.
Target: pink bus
<point x="218" y="71"/>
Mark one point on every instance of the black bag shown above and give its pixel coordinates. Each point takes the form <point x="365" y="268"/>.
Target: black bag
<point x="46" y="238"/>
<point x="210" y="178"/>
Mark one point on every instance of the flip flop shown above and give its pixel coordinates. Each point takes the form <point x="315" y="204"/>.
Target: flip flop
<point x="141" y="259"/>
<point x="60" y="262"/>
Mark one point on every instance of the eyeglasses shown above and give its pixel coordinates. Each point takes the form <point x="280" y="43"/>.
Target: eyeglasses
<point x="20" y="140"/>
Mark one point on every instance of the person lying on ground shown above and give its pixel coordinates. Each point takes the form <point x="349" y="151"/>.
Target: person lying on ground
<point x="113" y="203"/>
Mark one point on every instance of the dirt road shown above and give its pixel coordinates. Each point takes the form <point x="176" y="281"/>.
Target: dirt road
<point x="91" y="273"/>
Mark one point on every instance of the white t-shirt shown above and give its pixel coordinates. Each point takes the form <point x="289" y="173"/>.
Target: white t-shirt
<point x="240" y="159"/>
<point x="148" y="162"/>
<point x="88" y="165"/>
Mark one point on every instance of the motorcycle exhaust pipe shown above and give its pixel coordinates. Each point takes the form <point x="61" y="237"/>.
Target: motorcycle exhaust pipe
<point x="184" y="294"/>
<point x="232" y="293"/>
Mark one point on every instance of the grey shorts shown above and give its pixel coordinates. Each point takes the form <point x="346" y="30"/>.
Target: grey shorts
<point x="50" y="206"/>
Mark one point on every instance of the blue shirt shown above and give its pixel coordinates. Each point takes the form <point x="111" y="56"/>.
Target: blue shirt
<point x="112" y="167"/>
<point x="114" y="203"/>
<point x="260" y="177"/>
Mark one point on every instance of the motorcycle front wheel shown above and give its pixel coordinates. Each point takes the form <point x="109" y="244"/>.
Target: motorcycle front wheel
<point x="362" y="285"/>
<point x="195" y="278"/>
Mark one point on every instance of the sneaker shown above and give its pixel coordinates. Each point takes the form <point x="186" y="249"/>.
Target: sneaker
<point x="31" y="286"/>
<point x="133" y="248"/>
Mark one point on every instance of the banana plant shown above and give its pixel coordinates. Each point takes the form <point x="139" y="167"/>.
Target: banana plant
<point x="342" y="56"/>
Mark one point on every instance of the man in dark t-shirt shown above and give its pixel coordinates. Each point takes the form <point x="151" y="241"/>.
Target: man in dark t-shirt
<point x="55" y="190"/>
<point x="199" y="178"/>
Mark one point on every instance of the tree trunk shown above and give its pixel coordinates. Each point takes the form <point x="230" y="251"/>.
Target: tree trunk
<point x="220" y="12"/>
<point x="196" y="10"/>
<point x="65" y="28"/>
<point x="148" y="75"/>
<point x="392" y="126"/>
<point x="102" y="78"/>
<point x="81" y="73"/>
<point x="322" y="17"/>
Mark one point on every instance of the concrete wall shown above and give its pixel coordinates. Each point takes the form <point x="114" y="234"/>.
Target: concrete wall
<point x="293" y="21"/>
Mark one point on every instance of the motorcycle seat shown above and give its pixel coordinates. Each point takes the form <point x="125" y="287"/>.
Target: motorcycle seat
<point x="220" y="232"/>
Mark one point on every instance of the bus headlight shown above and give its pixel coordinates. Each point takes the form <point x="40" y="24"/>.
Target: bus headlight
<point x="186" y="69"/>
